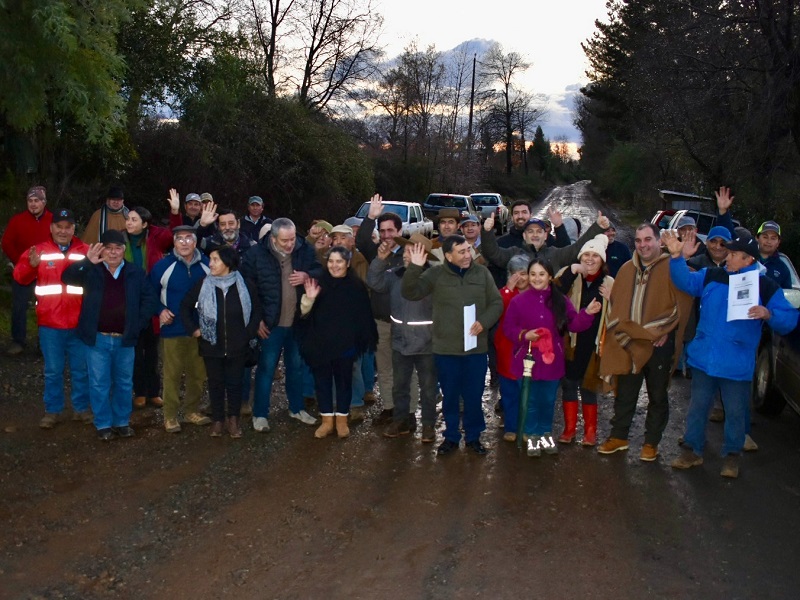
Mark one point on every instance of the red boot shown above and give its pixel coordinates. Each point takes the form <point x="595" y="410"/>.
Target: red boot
<point x="570" y="421"/>
<point x="589" y="425"/>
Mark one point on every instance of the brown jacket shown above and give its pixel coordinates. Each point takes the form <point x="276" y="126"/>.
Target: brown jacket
<point x="645" y="305"/>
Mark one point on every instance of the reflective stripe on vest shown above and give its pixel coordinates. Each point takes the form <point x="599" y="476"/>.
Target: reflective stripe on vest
<point x="57" y="290"/>
<point x="410" y="322"/>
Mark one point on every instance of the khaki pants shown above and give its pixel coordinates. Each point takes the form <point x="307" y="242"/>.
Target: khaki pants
<point x="181" y="355"/>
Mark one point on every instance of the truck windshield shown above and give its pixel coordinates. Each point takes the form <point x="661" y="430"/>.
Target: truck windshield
<point x="398" y="209"/>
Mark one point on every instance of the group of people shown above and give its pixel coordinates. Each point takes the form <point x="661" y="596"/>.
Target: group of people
<point x="219" y="294"/>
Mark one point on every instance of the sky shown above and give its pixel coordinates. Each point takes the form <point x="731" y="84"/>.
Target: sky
<point x="548" y="33"/>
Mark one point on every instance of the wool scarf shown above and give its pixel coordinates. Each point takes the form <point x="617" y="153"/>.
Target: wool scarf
<point x="207" y="302"/>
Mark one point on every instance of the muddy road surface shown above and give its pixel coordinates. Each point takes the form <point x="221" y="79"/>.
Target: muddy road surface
<point x="282" y="515"/>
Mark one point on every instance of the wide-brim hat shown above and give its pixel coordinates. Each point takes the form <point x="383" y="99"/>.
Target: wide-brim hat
<point x="448" y="213"/>
<point x="418" y="238"/>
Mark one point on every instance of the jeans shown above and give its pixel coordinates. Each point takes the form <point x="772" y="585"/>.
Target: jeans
<point x="57" y="346"/>
<point x="656" y="375"/>
<point x="146" y="378"/>
<point x="541" y="405"/>
<point x="110" y="381"/>
<point x="462" y="376"/>
<point x="21" y="296"/>
<point x="735" y="399"/>
<point x="509" y="397"/>
<point x="404" y="368"/>
<point x="225" y="379"/>
<point x="181" y="355"/>
<point x="569" y="392"/>
<point x="280" y="339"/>
<point x="338" y="372"/>
<point x="359" y="389"/>
<point x="383" y="357"/>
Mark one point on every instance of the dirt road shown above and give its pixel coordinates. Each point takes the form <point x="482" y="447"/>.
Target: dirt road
<point x="282" y="515"/>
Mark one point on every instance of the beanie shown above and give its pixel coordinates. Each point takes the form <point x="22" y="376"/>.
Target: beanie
<point x="597" y="244"/>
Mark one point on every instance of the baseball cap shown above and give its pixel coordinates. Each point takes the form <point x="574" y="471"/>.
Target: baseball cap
<point x="192" y="198"/>
<point x="719" y="232"/>
<point x="256" y="200"/>
<point x="769" y="226"/>
<point x="745" y="244"/>
<point x="353" y="222"/>
<point x="63" y="214"/>
<point x="346" y="229"/>
<point x="685" y="221"/>
<point x="470" y="219"/>
<point x="538" y="222"/>
<point x="206" y="197"/>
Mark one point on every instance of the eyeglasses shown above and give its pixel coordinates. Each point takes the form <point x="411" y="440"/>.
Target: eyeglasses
<point x="184" y="240"/>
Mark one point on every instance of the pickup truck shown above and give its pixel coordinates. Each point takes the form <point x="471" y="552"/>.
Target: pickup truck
<point x="436" y="202"/>
<point x="410" y="214"/>
<point x="490" y="203"/>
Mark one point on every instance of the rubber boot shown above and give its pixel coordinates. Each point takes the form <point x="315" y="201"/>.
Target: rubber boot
<point x="342" y="430"/>
<point x="326" y="428"/>
<point x="570" y="421"/>
<point x="589" y="425"/>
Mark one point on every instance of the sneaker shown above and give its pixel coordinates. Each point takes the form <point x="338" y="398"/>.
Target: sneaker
<point x="686" y="460"/>
<point x="649" y="453"/>
<point x="260" y="424"/>
<point x="125" y="431"/>
<point x="428" y="434"/>
<point x="477" y="447"/>
<point x="717" y="415"/>
<point x="15" y="349"/>
<point x="370" y="397"/>
<point x="49" y="420"/>
<point x="509" y="436"/>
<point x="172" y="425"/>
<point x="730" y="466"/>
<point x="749" y="444"/>
<point x="106" y="434"/>
<point x="612" y="445"/>
<point x="534" y="447"/>
<point x="548" y="444"/>
<point x="303" y="417"/>
<point x="357" y="414"/>
<point x="384" y="417"/>
<point x="196" y="419"/>
<point x="396" y="429"/>
<point x="446" y="447"/>
<point x="217" y="427"/>
<point x="85" y="416"/>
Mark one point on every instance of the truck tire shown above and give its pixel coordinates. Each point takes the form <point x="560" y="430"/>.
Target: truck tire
<point x="766" y="399"/>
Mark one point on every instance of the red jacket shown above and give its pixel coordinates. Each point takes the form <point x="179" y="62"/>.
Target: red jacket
<point x="504" y="347"/>
<point x="23" y="231"/>
<point x="57" y="305"/>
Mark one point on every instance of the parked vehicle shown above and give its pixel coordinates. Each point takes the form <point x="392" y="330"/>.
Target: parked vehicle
<point x="777" y="377"/>
<point x="704" y="220"/>
<point x="435" y="202"/>
<point x="662" y="218"/>
<point x="414" y="221"/>
<point x="489" y="204"/>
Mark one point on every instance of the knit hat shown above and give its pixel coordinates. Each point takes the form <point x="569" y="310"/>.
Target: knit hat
<point x="115" y="192"/>
<point x="597" y="244"/>
<point x="37" y="191"/>
<point x="112" y="236"/>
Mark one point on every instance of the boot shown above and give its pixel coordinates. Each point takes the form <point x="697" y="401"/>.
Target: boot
<point x="341" y="426"/>
<point x="234" y="429"/>
<point x="326" y="428"/>
<point x="589" y="424"/>
<point x="570" y="421"/>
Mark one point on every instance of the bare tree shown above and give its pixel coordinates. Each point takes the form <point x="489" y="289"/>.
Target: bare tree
<point x="270" y="22"/>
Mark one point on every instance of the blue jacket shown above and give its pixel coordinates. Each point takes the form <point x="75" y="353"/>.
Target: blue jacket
<point x="141" y="302"/>
<point x="777" y="271"/>
<point x="723" y="348"/>
<point x="172" y="279"/>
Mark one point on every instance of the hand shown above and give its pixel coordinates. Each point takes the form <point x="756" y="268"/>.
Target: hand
<point x="166" y="317"/>
<point x="476" y="328"/>
<point x="669" y="237"/>
<point x="488" y="224"/>
<point x="605" y="290"/>
<point x="209" y="214"/>
<point x="418" y="255"/>
<point x="531" y="335"/>
<point x="95" y="253"/>
<point x="196" y="333"/>
<point x="690" y="244"/>
<point x="603" y="221"/>
<point x="554" y="216"/>
<point x="263" y="330"/>
<point x="174" y="201"/>
<point x="34" y="257"/>
<point x="759" y="312"/>
<point x="724" y="199"/>
<point x="513" y="280"/>
<point x="312" y="288"/>
<point x="375" y="207"/>
<point x="660" y="341"/>
<point x="298" y="278"/>
<point x="578" y="268"/>
<point x="384" y="251"/>
<point x="594" y="307"/>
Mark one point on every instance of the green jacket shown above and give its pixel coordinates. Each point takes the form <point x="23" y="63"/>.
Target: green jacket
<point x="451" y="293"/>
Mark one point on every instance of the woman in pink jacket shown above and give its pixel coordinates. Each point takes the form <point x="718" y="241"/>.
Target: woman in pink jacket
<point x="540" y="313"/>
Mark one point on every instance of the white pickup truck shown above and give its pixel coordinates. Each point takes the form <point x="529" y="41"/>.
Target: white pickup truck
<point x="410" y="214"/>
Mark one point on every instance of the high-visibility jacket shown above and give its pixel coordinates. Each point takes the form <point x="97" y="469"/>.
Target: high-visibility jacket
<point x="57" y="305"/>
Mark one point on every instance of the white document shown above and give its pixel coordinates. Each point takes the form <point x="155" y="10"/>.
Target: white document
<point x="470" y="341"/>
<point x="742" y="294"/>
